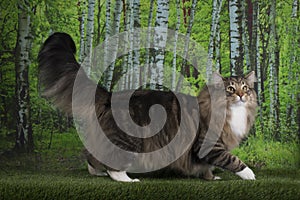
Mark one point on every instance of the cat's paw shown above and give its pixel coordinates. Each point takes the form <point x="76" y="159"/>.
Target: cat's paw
<point x="121" y="176"/>
<point x="217" y="178"/>
<point x="246" y="174"/>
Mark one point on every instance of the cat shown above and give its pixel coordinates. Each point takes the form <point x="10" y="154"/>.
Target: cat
<point x="58" y="69"/>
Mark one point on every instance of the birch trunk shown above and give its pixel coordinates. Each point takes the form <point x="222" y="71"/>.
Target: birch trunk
<point x="24" y="138"/>
<point x="186" y="47"/>
<point x="136" y="44"/>
<point x="291" y="111"/>
<point x="160" y="36"/>
<point x="130" y="54"/>
<point x="246" y="32"/>
<point x="81" y="18"/>
<point x="147" y="56"/>
<point x="255" y="60"/>
<point x="218" y="48"/>
<point x="217" y="4"/>
<point x="115" y="28"/>
<point x="274" y="73"/>
<point x="90" y="35"/>
<point x="126" y="64"/>
<point x="108" y="74"/>
<point x="174" y="67"/>
<point x="99" y="9"/>
<point x="236" y="39"/>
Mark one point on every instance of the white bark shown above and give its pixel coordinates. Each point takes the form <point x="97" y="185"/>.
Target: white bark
<point x="160" y="37"/>
<point x="127" y="61"/>
<point x="24" y="41"/>
<point x="236" y="46"/>
<point x="295" y="9"/>
<point x="291" y="111"/>
<point x="174" y="66"/>
<point x="90" y="35"/>
<point x="218" y="49"/>
<point x="112" y="51"/>
<point x="130" y="54"/>
<point x="81" y="30"/>
<point x="274" y="70"/>
<point x="217" y="5"/>
<point x="147" y="59"/>
<point x="136" y="44"/>
<point x="109" y="73"/>
<point x="245" y="36"/>
<point x="186" y="46"/>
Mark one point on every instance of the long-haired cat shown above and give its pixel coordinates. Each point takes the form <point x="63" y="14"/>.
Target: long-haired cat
<point x="58" y="70"/>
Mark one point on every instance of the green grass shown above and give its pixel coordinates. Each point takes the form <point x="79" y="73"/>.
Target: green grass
<point x="58" y="171"/>
<point x="77" y="184"/>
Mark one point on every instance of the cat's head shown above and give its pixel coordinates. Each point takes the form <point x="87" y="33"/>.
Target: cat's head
<point x="239" y="89"/>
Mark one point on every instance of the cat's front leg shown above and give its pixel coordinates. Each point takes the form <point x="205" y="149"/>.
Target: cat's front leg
<point x="220" y="157"/>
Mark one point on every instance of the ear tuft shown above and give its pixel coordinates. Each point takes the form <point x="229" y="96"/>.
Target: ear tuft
<point x="217" y="79"/>
<point x="251" y="78"/>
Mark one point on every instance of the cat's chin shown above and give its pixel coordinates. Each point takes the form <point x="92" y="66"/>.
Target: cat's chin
<point x="239" y="103"/>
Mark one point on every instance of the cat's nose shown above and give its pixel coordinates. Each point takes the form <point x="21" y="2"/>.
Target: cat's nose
<point x="240" y="94"/>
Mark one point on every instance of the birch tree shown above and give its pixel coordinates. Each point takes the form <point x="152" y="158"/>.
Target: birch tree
<point x="147" y="56"/>
<point x="89" y="35"/>
<point x="160" y="36"/>
<point x="174" y="67"/>
<point x="186" y="46"/>
<point x="136" y="44"/>
<point x="81" y="17"/>
<point x="274" y="56"/>
<point x="109" y="73"/>
<point x="129" y="75"/>
<point x="217" y="5"/>
<point x="236" y="37"/>
<point x="24" y="139"/>
<point x="111" y="52"/>
<point x="294" y="60"/>
<point x="255" y="59"/>
<point x="246" y="9"/>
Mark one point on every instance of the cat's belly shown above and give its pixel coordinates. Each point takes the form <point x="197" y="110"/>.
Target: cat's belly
<point x="238" y="121"/>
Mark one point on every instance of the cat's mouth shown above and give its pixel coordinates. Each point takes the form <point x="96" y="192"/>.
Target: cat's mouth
<point x="240" y="101"/>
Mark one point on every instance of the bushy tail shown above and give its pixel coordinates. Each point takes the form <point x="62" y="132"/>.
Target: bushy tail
<point x="58" y="70"/>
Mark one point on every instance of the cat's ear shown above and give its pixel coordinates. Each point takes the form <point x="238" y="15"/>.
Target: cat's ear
<point x="217" y="80"/>
<point x="251" y="79"/>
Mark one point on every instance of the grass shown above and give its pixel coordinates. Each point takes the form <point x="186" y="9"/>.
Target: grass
<point x="58" y="171"/>
<point x="77" y="184"/>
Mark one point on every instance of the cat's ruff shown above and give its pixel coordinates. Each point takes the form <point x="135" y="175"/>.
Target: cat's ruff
<point x="238" y="121"/>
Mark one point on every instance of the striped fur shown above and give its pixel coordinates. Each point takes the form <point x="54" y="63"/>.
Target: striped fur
<point x="58" y="69"/>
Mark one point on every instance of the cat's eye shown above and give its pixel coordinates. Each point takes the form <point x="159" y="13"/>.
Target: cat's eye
<point x="231" y="89"/>
<point x="245" y="88"/>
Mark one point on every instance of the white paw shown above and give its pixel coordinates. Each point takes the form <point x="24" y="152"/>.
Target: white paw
<point x="246" y="174"/>
<point x="121" y="176"/>
<point x="217" y="178"/>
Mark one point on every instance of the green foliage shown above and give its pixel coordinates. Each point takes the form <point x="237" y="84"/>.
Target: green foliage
<point x="262" y="153"/>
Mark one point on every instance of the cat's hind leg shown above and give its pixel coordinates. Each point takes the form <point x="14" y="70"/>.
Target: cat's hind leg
<point x="208" y="175"/>
<point x="121" y="176"/>
<point x="96" y="172"/>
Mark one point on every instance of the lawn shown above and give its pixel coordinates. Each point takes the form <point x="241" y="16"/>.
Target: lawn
<point x="77" y="184"/>
<point x="58" y="171"/>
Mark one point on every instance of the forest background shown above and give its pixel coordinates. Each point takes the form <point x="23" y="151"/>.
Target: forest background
<point x="237" y="37"/>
